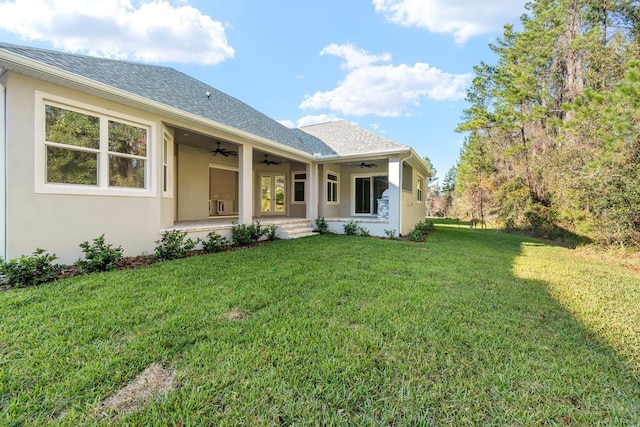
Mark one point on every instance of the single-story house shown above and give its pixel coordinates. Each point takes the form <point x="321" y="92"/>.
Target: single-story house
<point x="95" y="146"/>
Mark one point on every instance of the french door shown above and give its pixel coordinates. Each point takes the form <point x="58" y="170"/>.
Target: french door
<point x="273" y="193"/>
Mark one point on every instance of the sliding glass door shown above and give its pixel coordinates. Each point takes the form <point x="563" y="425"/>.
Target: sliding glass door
<point x="367" y="191"/>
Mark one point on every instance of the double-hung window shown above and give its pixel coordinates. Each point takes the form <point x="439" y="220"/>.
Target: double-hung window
<point x="89" y="152"/>
<point x="420" y="183"/>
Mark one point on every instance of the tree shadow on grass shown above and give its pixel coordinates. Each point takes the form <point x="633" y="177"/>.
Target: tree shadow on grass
<point x="520" y="344"/>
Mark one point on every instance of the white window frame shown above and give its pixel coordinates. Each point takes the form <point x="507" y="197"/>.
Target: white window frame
<point x="420" y="188"/>
<point x="353" y="191"/>
<point x="167" y="164"/>
<point x="102" y="188"/>
<point x="407" y="186"/>
<point x="293" y="187"/>
<point x="337" y="184"/>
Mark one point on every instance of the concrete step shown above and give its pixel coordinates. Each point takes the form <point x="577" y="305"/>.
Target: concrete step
<point x="294" y="225"/>
<point x="299" y="235"/>
<point x="294" y="233"/>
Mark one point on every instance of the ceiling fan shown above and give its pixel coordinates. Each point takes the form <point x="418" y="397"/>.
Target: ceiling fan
<point x="222" y="151"/>
<point x="368" y="165"/>
<point x="269" y="162"/>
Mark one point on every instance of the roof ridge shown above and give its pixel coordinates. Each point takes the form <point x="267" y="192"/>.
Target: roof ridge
<point x="323" y="123"/>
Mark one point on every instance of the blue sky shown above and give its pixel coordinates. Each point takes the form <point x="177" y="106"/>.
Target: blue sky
<point x="397" y="67"/>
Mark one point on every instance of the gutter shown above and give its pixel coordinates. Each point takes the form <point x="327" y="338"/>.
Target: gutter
<point x="369" y="155"/>
<point x="34" y="69"/>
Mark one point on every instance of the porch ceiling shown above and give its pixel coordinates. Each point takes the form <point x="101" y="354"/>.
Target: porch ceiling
<point x="196" y="139"/>
<point x="206" y="142"/>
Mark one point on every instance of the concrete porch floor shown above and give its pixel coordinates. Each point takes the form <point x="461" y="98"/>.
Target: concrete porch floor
<point x="224" y="223"/>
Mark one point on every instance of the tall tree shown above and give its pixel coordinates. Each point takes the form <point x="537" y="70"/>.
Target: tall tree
<point x="545" y="120"/>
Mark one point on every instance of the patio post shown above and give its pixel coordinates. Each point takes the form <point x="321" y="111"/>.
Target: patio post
<point x="245" y="184"/>
<point x="395" y="173"/>
<point x="312" y="191"/>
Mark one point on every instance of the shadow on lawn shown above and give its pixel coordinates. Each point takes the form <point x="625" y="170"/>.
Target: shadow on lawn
<point x="553" y="235"/>
<point x="548" y="358"/>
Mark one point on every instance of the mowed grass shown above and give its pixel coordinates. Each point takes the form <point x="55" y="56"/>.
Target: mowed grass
<point x="471" y="327"/>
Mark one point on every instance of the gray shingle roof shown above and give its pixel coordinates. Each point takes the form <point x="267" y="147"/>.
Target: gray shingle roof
<point x="346" y="139"/>
<point x="172" y="88"/>
<point x="167" y="86"/>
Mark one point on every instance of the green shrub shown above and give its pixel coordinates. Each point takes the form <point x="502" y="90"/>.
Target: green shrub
<point x="270" y="232"/>
<point x="391" y="234"/>
<point x="29" y="270"/>
<point x="363" y="232"/>
<point x="173" y="244"/>
<point x="98" y="256"/>
<point x="244" y="235"/>
<point x="322" y="226"/>
<point x="351" y="228"/>
<point x="256" y="231"/>
<point x="214" y="242"/>
<point x="421" y="230"/>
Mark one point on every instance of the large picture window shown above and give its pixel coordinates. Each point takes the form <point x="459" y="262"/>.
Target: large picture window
<point x="84" y="149"/>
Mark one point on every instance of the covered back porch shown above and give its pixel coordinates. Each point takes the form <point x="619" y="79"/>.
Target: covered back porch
<point x="218" y="181"/>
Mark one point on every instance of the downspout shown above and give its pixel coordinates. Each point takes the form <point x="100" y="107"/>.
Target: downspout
<point x="401" y="190"/>
<point x="3" y="165"/>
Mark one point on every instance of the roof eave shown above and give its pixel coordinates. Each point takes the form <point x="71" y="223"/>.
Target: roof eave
<point x="368" y="155"/>
<point x="422" y="162"/>
<point x="31" y="68"/>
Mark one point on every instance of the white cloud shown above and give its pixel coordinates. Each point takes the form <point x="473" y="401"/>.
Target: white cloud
<point x="384" y="90"/>
<point x="463" y="19"/>
<point x="309" y="120"/>
<point x="314" y="120"/>
<point x="151" y="31"/>
<point x="287" y="123"/>
<point x="354" y="57"/>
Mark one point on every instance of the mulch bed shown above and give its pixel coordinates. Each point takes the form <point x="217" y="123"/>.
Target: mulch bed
<point x="128" y="263"/>
<point x="132" y="262"/>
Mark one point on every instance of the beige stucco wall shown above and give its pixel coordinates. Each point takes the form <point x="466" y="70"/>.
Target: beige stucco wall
<point x="193" y="184"/>
<point x="60" y="222"/>
<point x="413" y="211"/>
<point x="325" y="209"/>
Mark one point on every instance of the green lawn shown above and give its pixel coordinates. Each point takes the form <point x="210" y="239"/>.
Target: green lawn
<point x="471" y="327"/>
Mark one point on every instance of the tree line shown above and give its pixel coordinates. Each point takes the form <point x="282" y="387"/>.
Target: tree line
<point x="552" y="131"/>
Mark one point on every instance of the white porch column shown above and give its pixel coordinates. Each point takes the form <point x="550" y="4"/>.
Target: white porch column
<point x="245" y="184"/>
<point x="395" y="193"/>
<point x="313" y="191"/>
<point x="3" y="169"/>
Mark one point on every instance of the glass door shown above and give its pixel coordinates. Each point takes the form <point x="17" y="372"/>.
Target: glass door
<point x="363" y="195"/>
<point x="368" y="189"/>
<point x="273" y="194"/>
